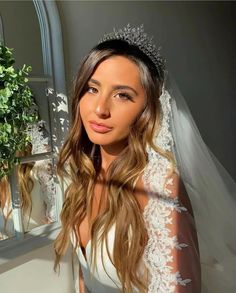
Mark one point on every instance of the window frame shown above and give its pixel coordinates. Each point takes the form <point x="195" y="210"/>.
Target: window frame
<point x="54" y="75"/>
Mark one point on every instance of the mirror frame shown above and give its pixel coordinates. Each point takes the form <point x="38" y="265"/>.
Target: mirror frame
<point x="53" y="63"/>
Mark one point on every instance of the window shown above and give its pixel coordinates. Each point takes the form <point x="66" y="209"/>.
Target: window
<point x="34" y="192"/>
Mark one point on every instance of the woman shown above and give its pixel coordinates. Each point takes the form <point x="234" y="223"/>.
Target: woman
<point x="126" y="208"/>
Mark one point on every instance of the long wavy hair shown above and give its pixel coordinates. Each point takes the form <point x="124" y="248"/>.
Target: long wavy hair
<point x="26" y="185"/>
<point x="80" y="161"/>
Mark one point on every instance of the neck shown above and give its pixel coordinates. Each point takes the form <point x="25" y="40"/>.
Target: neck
<point x="110" y="153"/>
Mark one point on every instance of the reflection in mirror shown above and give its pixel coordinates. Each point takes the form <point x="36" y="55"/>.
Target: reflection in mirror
<point x="39" y="132"/>
<point x="39" y="89"/>
<point x="36" y="181"/>
<point x="6" y="222"/>
<point x="40" y="141"/>
<point x="37" y="190"/>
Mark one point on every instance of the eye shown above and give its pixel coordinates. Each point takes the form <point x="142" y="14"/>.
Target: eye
<point x="92" y="90"/>
<point x="124" y="96"/>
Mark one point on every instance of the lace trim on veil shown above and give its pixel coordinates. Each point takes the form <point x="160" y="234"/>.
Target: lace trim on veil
<point x="157" y="213"/>
<point x="43" y="169"/>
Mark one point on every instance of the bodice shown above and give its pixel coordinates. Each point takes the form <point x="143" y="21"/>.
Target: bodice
<point x="104" y="278"/>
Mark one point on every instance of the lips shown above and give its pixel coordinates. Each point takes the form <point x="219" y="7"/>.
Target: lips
<point x="99" y="127"/>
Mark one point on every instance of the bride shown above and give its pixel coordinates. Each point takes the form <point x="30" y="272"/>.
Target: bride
<point x="136" y="208"/>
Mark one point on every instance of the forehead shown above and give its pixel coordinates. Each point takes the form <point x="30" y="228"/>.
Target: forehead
<point x="118" y="69"/>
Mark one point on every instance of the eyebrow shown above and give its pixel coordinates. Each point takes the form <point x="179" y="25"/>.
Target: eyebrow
<point x="115" y="87"/>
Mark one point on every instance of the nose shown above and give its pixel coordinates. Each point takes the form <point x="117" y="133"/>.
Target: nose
<point x="102" y="108"/>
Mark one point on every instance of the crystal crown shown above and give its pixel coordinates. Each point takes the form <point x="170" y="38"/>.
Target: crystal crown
<point x="137" y="37"/>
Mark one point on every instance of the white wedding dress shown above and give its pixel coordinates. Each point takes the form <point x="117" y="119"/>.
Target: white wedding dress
<point x="171" y="254"/>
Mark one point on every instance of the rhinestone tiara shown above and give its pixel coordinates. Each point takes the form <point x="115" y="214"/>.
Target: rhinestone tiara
<point x="137" y="37"/>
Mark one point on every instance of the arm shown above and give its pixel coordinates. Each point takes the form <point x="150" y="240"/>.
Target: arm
<point x="172" y="255"/>
<point x="185" y="260"/>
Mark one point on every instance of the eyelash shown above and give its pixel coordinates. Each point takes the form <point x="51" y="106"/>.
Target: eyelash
<point x="125" y="96"/>
<point x="90" y="87"/>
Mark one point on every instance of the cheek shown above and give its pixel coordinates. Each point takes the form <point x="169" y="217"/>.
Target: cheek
<point x="83" y="108"/>
<point x="128" y="118"/>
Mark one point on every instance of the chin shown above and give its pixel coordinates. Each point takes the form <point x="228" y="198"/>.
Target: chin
<point x="100" y="139"/>
<point x="106" y="140"/>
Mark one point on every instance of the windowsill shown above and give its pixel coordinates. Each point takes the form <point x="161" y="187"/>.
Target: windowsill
<point x="41" y="236"/>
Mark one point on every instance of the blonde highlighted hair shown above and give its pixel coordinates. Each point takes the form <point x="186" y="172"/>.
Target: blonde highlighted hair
<point x="26" y="185"/>
<point x="80" y="161"/>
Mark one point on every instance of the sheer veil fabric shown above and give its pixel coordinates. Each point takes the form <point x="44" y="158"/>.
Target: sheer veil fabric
<point x="212" y="192"/>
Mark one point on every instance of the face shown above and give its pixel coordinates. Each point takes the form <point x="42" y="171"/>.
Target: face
<point x="114" y="99"/>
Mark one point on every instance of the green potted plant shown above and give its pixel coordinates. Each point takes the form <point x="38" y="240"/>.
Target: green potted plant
<point x="16" y="104"/>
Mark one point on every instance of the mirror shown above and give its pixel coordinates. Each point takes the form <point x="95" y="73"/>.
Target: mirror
<point x="37" y="192"/>
<point x="39" y="132"/>
<point x="36" y="185"/>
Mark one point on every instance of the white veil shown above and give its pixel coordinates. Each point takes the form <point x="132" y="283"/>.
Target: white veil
<point x="212" y="192"/>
